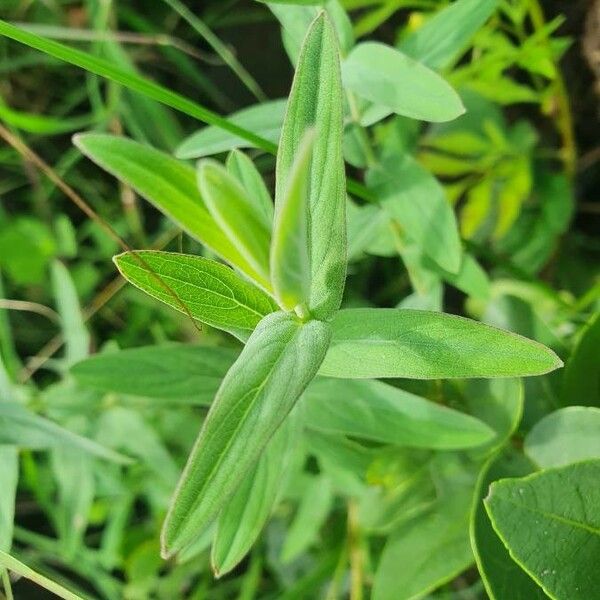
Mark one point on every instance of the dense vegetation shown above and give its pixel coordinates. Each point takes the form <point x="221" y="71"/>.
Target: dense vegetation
<point x="299" y="300"/>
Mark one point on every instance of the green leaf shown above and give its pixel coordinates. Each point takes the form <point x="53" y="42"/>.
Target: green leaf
<point x="446" y="35"/>
<point x="417" y="202"/>
<point x="171" y="374"/>
<point x="550" y="524"/>
<point x="379" y="412"/>
<point x="314" y="507"/>
<point x="168" y="184"/>
<point x="9" y="477"/>
<point x="371" y="343"/>
<point x="389" y="78"/>
<point x="279" y="360"/>
<point x="228" y="203"/>
<point x="241" y="521"/>
<point x="581" y="381"/>
<point x="427" y="551"/>
<point x="24" y="429"/>
<point x="209" y="291"/>
<point x="264" y="119"/>
<point x="243" y="169"/>
<point x="316" y="101"/>
<point x="290" y="250"/>
<point x="565" y="436"/>
<point x="501" y="576"/>
<point x="16" y="566"/>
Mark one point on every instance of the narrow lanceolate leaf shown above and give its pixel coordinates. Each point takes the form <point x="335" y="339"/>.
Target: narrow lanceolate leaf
<point x="379" y="412"/>
<point x="279" y="360"/>
<point x="168" y="184"/>
<point x="550" y="523"/>
<point x="9" y="476"/>
<point x="242" y="520"/>
<point x="389" y="78"/>
<point x="290" y="251"/>
<point x="371" y="343"/>
<point x="243" y="169"/>
<point x="207" y="290"/>
<point x="230" y="207"/>
<point x="166" y="374"/>
<point x="316" y="101"/>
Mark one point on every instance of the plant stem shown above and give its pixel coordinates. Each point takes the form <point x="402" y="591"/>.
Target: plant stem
<point x="355" y="553"/>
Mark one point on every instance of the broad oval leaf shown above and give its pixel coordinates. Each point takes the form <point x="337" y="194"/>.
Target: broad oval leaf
<point x="263" y="119"/>
<point x="380" y="412"/>
<point x="170" y="185"/>
<point x="387" y="77"/>
<point x="550" y="523"/>
<point x="170" y="374"/>
<point x="230" y="207"/>
<point x="290" y="250"/>
<point x="279" y="360"/>
<point x="387" y="342"/>
<point x="565" y="436"/>
<point x="207" y="290"/>
<point x="316" y="101"/>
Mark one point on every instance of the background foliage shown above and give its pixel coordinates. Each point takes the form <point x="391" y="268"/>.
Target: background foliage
<point x="490" y="214"/>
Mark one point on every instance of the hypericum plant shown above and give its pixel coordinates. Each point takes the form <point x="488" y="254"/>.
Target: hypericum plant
<point x="283" y="296"/>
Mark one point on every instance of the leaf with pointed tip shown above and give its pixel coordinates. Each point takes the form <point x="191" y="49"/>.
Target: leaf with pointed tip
<point x="290" y="250"/>
<point x="387" y="77"/>
<point x="418" y="344"/>
<point x="279" y="360"/>
<point x="316" y="101"/>
<point x="168" y="184"/>
<point x="243" y="169"/>
<point x="228" y="203"/>
<point x="167" y="374"/>
<point x="209" y="291"/>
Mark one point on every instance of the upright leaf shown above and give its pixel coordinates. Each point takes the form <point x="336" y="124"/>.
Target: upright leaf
<point x="230" y="207"/>
<point x="290" y="250"/>
<point x="209" y="291"/>
<point x="316" y="101"/>
<point x="277" y="363"/>
<point x="371" y="343"/>
<point x="389" y="78"/>
<point x="168" y="184"/>
<point x="9" y="476"/>
<point x="550" y="523"/>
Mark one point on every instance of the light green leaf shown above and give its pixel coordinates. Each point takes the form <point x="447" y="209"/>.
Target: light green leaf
<point x="243" y="169"/>
<point x="279" y="360"/>
<point x="501" y="576"/>
<point x="379" y="412"/>
<point x="565" y="436"/>
<point x="389" y="78"/>
<point x="417" y="202"/>
<point x="242" y="520"/>
<point x="550" y="523"/>
<point x="16" y="566"/>
<point x="581" y="381"/>
<point x="371" y="343"/>
<point x="9" y="476"/>
<point x="168" y="184"/>
<point x="263" y="119"/>
<point x="446" y="35"/>
<point x="290" y="250"/>
<point x="316" y="101"/>
<point x="209" y="291"/>
<point x="25" y="429"/>
<point x="312" y="512"/>
<point x="76" y="335"/>
<point x="173" y="373"/>
<point x="228" y="203"/>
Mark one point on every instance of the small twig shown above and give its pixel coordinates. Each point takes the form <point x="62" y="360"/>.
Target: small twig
<point x="33" y="307"/>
